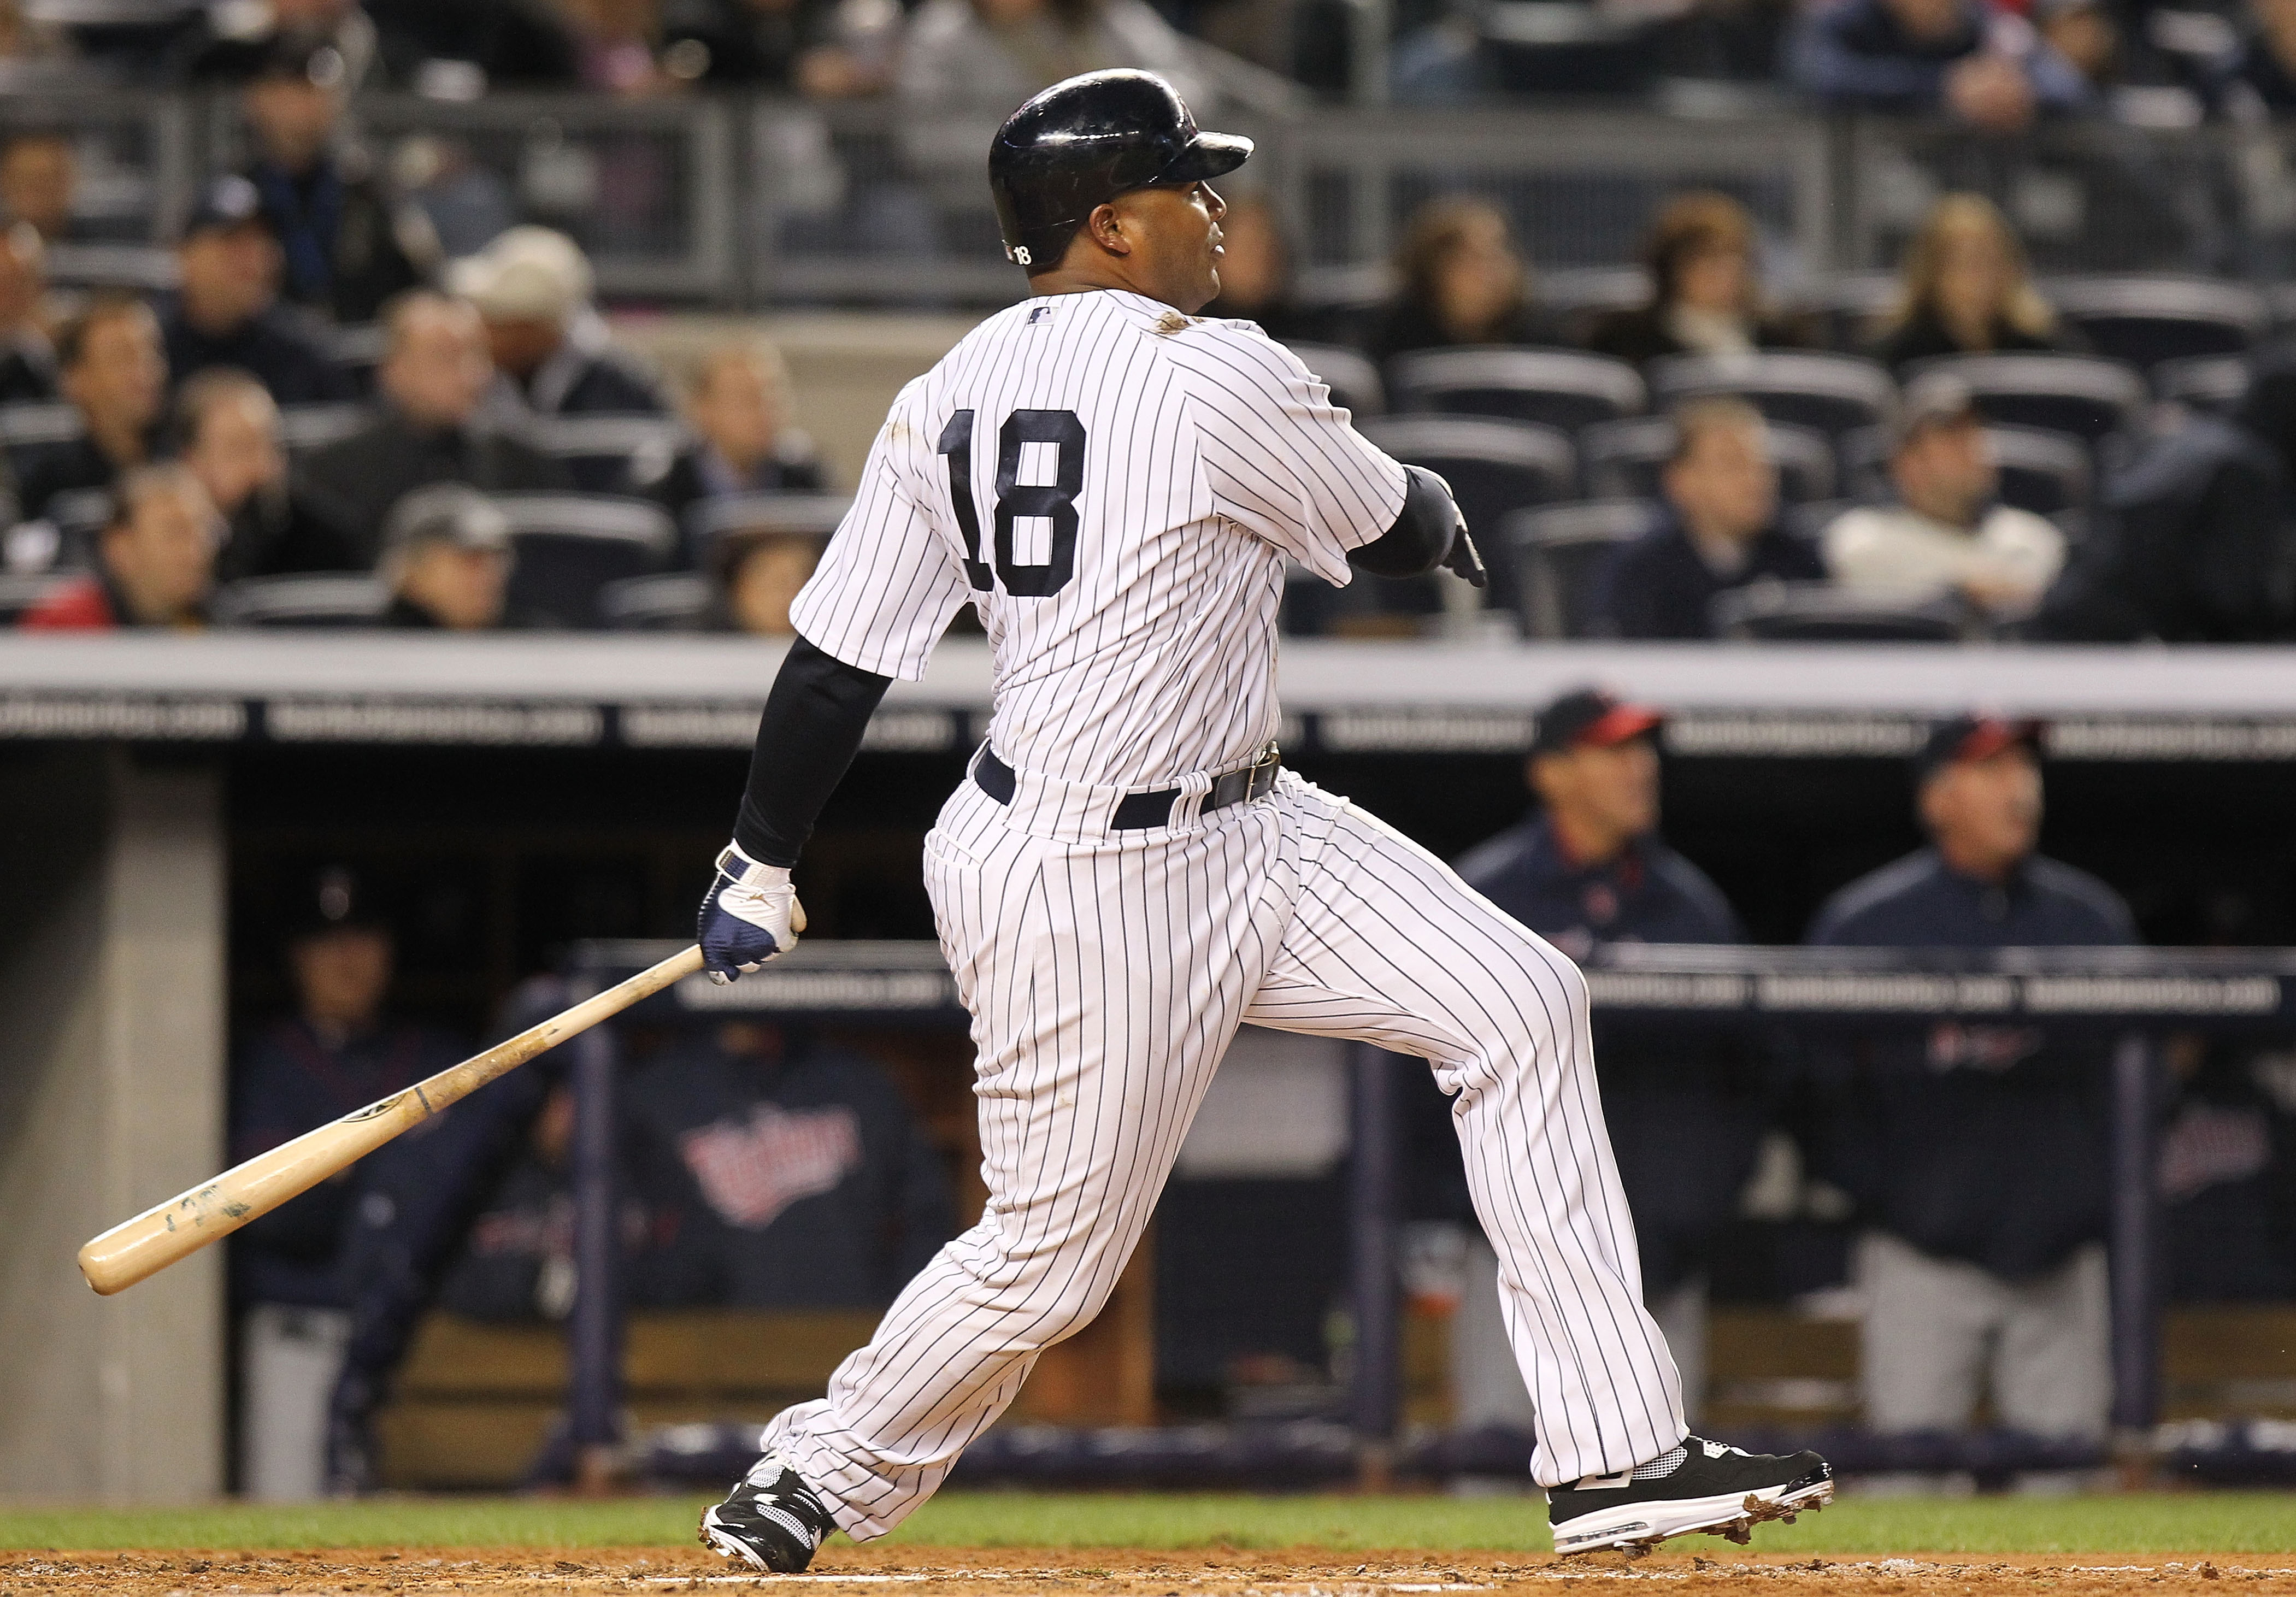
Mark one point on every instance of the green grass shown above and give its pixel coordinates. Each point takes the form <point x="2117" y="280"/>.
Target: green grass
<point x="2199" y="1522"/>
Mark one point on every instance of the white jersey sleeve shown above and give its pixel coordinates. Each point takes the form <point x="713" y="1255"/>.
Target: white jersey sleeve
<point x="888" y="583"/>
<point x="1281" y="459"/>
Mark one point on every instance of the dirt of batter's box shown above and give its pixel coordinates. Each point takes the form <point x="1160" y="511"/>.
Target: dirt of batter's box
<point x="904" y="1571"/>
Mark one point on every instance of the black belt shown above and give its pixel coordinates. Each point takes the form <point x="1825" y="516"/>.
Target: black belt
<point x="1137" y="811"/>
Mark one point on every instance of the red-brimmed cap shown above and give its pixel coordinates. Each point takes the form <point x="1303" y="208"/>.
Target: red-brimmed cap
<point x="1969" y="738"/>
<point x="1589" y="717"/>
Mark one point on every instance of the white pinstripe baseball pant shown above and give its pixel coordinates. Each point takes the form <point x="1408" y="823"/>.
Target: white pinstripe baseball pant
<point x="1106" y="973"/>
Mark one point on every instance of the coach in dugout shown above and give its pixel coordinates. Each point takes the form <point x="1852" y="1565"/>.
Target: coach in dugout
<point x="1978" y="1154"/>
<point x="1589" y="868"/>
<point x="338" y="1052"/>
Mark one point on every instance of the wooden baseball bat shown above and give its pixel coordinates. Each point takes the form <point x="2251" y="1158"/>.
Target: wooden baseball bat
<point x="188" y="1222"/>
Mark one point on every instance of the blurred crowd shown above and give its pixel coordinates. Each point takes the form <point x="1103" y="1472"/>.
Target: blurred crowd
<point x="329" y="422"/>
<point x="1993" y="64"/>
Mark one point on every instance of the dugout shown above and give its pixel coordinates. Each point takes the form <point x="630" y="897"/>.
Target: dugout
<point x="558" y="789"/>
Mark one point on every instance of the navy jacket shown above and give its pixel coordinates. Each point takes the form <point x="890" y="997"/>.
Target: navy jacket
<point x="1685" y="1111"/>
<point x="811" y="1177"/>
<point x="286" y="1081"/>
<point x="278" y="348"/>
<point x="1658" y="586"/>
<point x="1987" y="1144"/>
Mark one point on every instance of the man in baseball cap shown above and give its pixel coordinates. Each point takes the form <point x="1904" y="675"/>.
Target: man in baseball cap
<point x="446" y="557"/>
<point x="1977" y="1152"/>
<point x="227" y="313"/>
<point x="532" y="286"/>
<point x="1949" y="533"/>
<point x="1589" y="868"/>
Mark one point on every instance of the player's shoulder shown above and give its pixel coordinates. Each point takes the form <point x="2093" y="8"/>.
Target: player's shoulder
<point x="2085" y="894"/>
<point x="1855" y="910"/>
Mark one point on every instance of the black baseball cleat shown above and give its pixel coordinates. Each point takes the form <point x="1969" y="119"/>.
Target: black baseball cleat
<point x="771" y="1521"/>
<point x="1700" y="1485"/>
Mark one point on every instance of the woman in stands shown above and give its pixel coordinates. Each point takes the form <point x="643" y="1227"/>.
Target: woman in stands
<point x="1706" y="288"/>
<point x="1459" y="280"/>
<point x="1965" y="290"/>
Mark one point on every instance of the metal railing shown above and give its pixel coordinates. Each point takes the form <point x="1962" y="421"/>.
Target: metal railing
<point x="748" y="200"/>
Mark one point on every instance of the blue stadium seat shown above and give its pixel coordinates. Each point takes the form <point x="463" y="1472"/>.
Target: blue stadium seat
<point x="303" y="599"/>
<point x="571" y="546"/>
<point x="610" y="454"/>
<point x="2215" y="384"/>
<point x="1566" y="388"/>
<point x="1834" y="394"/>
<point x="1821" y="612"/>
<point x="2145" y="321"/>
<point x="670" y="601"/>
<point x="1495" y="467"/>
<point x="1351" y="376"/>
<point x="1555" y="552"/>
<point x="2084" y="395"/>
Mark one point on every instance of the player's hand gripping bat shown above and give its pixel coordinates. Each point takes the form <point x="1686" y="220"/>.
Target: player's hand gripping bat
<point x="188" y="1222"/>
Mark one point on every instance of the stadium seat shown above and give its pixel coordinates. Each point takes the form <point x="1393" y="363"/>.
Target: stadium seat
<point x="2043" y="471"/>
<point x="670" y="601"/>
<point x="1624" y="459"/>
<point x="1834" y="393"/>
<point x="1821" y="612"/>
<point x="1495" y="467"/>
<point x="303" y="427"/>
<point x="18" y="594"/>
<point x="1557" y="388"/>
<point x="2079" y="394"/>
<point x="357" y="349"/>
<point x="138" y="269"/>
<point x="713" y="518"/>
<point x="1350" y="375"/>
<point x="303" y="599"/>
<point x="2213" y="383"/>
<point x="570" y="545"/>
<point x="1555" y="552"/>
<point x="1852" y="305"/>
<point x="610" y="454"/>
<point x="34" y="422"/>
<point x="2147" y="320"/>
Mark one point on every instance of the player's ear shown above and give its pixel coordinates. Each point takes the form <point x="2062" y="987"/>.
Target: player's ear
<point x="1105" y="226"/>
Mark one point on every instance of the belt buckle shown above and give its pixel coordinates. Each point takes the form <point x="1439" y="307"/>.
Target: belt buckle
<point x="1262" y="777"/>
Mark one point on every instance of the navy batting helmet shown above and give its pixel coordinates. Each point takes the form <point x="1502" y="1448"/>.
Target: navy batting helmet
<point x="1082" y="143"/>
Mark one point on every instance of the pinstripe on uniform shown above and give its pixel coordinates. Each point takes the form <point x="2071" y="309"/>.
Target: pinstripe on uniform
<point x="1106" y="972"/>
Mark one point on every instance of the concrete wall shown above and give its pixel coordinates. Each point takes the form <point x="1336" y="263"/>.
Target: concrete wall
<point x="111" y="1093"/>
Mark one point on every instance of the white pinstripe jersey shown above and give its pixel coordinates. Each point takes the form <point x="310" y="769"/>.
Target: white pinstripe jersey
<point x="1115" y="488"/>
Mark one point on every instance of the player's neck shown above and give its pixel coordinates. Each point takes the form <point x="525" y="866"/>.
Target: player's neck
<point x="1089" y="279"/>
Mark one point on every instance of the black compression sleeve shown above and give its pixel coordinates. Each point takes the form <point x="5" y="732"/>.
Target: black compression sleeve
<point x="812" y="726"/>
<point x="1422" y="534"/>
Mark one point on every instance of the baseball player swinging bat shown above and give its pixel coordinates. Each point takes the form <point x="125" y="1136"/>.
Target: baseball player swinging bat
<point x="189" y="1221"/>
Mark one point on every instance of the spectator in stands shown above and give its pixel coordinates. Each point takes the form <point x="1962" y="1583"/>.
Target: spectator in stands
<point x="434" y="374"/>
<point x="111" y="368"/>
<point x="446" y="559"/>
<point x="2259" y="82"/>
<point x="824" y="51"/>
<point x="1459" y="280"/>
<point x="2196" y="545"/>
<point x="1590" y="868"/>
<point x="1255" y="272"/>
<point x="226" y="430"/>
<point x="1946" y="534"/>
<point x="155" y="560"/>
<point x="227" y="311"/>
<point x="1982" y="65"/>
<point x="804" y="1162"/>
<point x="995" y="54"/>
<point x="230" y="47"/>
<point x="350" y="246"/>
<point x="1976" y="1153"/>
<point x="551" y="351"/>
<point x="27" y="356"/>
<point x="1965" y="289"/>
<point x="738" y="404"/>
<point x="1717" y="530"/>
<point x="338" y="1052"/>
<point x="1705" y="288"/>
<point x="39" y="173"/>
<point x="759" y="571"/>
<point x="36" y="55"/>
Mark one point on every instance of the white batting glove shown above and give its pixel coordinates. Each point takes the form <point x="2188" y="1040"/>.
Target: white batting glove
<point x="750" y="915"/>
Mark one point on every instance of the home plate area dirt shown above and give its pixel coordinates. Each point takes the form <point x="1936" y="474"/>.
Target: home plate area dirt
<point x="911" y="1571"/>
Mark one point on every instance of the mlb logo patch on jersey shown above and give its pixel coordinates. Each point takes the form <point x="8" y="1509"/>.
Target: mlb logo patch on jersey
<point x="1041" y="312"/>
